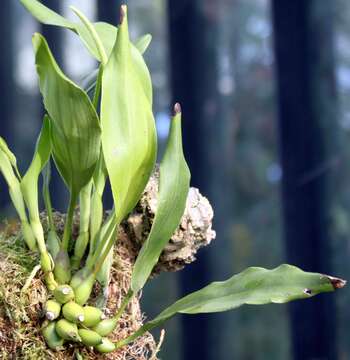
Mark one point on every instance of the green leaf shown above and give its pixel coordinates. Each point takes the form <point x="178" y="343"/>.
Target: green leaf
<point x="143" y="42"/>
<point x="253" y="286"/>
<point x="29" y="183"/>
<point x="75" y="128"/>
<point x="106" y="32"/>
<point x="90" y="33"/>
<point x="6" y="168"/>
<point x="29" y="187"/>
<point x="46" y="174"/>
<point x="46" y="15"/>
<point x="108" y="35"/>
<point x="10" y="155"/>
<point x="129" y="135"/>
<point x="173" y="189"/>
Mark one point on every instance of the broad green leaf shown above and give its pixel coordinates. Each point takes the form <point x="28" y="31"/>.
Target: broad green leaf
<point x="143" y="42"/>
<point x="253" y="286"/>
<point x="108" y="35"/>
<point x="106" y="32"/>
<point x="128" y="127"/>
<point x="45" y="15"/>
<point x="75" y="128"/>
<point x="173" y="189"/>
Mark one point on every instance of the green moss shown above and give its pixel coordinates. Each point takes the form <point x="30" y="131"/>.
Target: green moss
<point x="22" y="313"/>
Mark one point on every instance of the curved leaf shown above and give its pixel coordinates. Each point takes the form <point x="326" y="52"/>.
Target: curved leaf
<point x="75" y="128"/>
<point x="106" y="32"/>
<point x="45" y="15"/>
<point x="29" y="183"/>
<point x="253" y="286"/>
<point x="128" y="127"/>
<point x="173" y="189"/>
<point x="10" y="155"/>
<point x="6" y="168"/>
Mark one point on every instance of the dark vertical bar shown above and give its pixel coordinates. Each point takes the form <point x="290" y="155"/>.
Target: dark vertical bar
<point x="192" y="31"/>
<point x="108" y="10"/>
<point x="6" y="82"/>
<point x="307" y="121"/>
<point x="54" y="36"/>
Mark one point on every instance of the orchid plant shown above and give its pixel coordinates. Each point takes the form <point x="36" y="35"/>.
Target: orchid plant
<point x="106" y="130"/>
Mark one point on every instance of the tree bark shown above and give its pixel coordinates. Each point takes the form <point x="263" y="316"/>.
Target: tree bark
<point x="307" y="122"/>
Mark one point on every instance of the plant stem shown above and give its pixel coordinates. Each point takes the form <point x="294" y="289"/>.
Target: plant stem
<point x="124" y="304"/>
<point x="104" y="247"/>
<point x="69" y="222"/>
<point x="100" y="49"/>
<point x="46" y="194"/>
<point x="98" y="87"/>
<point x="97" y="204"/>
<point x="83" y="238"/>
<point x="132" y="337"/>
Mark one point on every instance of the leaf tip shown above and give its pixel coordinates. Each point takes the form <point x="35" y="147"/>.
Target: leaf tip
<point x="74" y="9"/>
<point x="123" y="11"/>
<point x="177" y="109"/>
<point x="336" y="282"/>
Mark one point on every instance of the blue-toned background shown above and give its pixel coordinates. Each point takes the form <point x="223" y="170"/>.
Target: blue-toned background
<point x="265" y="91"/>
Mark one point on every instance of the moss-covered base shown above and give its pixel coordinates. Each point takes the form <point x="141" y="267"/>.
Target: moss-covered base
<point x="21" y="312"/>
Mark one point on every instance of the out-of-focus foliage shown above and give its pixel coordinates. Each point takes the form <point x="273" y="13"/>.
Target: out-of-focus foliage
<point x="341" y="229"/>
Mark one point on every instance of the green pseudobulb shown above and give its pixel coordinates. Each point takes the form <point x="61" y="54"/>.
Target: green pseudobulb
<point x="67" y="330"/>
<point x="92" y="316"/>
<point x="105" y="327"/>
<point x="52" y="309"/>
<point x="107" y="346"/>
<point x="89" y="337"/>
<point x="53" y="340"/>
<point x="73" y="312"/>
<point x="63" y="293"/>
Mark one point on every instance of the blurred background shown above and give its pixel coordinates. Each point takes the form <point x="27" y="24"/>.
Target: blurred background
<point x="265" y="91"/>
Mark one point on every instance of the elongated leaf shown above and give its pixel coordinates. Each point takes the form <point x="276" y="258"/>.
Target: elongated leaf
<point x="75" y="128"/>
<point x="29" y="183"/>
<point x="16" y="196"/>
<point x="10" y="155"/>
<point x="45" y="15"/>
<point x="29" y="187"/>
<point x="173" y="189"/>
<point x="253" y="286"/>
<point x="46" y="174"/>
<point x="106" y="32"/>
<point x="129" y="135"/>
